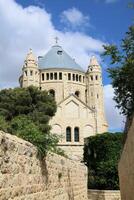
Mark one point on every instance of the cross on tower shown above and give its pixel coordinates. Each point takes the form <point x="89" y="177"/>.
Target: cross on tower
<point x="56" y="39"/>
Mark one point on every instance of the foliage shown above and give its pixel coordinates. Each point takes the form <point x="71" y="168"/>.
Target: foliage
<point x="3" y="124"/>
<point x="101" y="155"/>
<point x="122" y="73"/>
<point x="25" y="112"/>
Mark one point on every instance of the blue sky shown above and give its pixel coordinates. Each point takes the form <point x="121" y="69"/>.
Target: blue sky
<point x="108" y="19"/>
<point x="82" y="26"/>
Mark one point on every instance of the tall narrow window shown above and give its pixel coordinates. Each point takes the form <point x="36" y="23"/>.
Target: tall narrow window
<point x="55" y="76"/>
<point x="60" y="76"/>
<point x="25" y="73"/>
<point x="52" y="93"/>
<point x="96" y="77"/>
<point x="76" y="77"/>
<point x="31" y="72"/>
<point x="68" y="134"/>
<point x="91" y="77"/>
<point x="80" y="78"/>
<point x="43" y="77"/>
<point x="51" y="76"/>
<point x="73" y="77"/>
<point x="76" y="134"/>
<point x="69" y="76"/>
<point x="83" y="79"/>
<point x="47" y="74"/>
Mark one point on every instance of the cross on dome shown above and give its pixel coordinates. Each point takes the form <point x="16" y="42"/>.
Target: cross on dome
<point x="30" y="50"/>
<point x="56" y="40"/>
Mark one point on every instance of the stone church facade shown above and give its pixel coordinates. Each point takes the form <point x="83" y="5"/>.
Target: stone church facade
<point x="78" y="94"/>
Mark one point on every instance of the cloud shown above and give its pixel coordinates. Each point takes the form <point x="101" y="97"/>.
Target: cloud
<point x="32" y="27"/>
<point x="115" y="120"/>
<point x="74" y="18"/>
<point x="111" y="1"/>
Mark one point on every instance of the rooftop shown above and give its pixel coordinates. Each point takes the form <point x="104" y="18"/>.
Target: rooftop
<point x="58" y="58"/>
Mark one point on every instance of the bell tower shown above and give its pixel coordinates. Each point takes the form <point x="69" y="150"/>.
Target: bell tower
<point x="30" y="72"/>
<point x="95" y="96"/>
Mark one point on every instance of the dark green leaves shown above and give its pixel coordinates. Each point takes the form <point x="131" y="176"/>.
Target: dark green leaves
<point x="122" y="74"/>
<point x="101" y="154"/>
<point x="26" y="112"/>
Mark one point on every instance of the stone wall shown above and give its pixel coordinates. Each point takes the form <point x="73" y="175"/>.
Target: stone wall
<point x="24" y="177"/>
<point x="126" y="167"/>
<point x="104" y="195"/>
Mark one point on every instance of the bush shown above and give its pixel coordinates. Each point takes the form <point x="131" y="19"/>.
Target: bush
<point x="26" y="112"/>
<point x="101" y="155"/>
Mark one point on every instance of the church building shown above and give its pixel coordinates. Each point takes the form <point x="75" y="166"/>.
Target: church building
<point x="78" y="94"/>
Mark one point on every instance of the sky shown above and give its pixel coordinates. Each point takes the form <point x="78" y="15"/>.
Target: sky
<point x="82" y="27"/>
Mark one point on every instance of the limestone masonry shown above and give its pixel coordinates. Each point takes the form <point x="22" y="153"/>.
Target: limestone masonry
<point x="126" y="167"/>
<point x="104" y="195"/>
<point x="24" y="177"/>
<point x="79" y="95"/>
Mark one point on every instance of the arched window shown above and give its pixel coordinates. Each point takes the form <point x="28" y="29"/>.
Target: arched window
<point x="43" y="77"/>
<point x="55" y="76"/>
<point x="47" y="74"/>
<point x="80" y="78"/>
<point x="51" y="76"/>
<point x="31" y="72"/>
<point x="69" y="76"/>
<point x="25" y="73"/>
<point x="76" y="134"/>
<point x="83" y="79"/>
<point x="73" y="77"/>
<point x="77" y="93"/>
<point x="91" y="78"/>
<point x="60" y="75"/>
<point x="76" y="77"/>
<point x="68" y="134"/>
<point x="52" y="93"/>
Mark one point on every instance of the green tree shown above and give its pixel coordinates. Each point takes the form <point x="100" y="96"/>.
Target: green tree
<point x="3" y="124"/>
<point x="101" y="155"/>
<point x="24" y="127"/>
<point x="26" y="113"/>
<point x="122" y="59"/>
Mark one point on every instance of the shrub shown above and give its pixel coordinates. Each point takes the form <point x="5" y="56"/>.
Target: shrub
<point x="101" y="155"/>
<point x="26" y="112"/>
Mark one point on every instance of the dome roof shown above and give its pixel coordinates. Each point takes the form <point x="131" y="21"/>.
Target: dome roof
<point x="58" y="58"/>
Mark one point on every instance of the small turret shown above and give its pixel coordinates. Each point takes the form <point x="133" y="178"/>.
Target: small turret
<point x="30" y="72"/>
<point x="94" y="90"/>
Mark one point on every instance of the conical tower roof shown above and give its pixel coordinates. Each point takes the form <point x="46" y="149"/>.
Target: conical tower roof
<point x="93" y="61"/>
<point x="30" y="56"/>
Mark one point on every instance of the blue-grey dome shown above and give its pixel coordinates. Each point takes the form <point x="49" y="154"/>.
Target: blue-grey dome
<point x="58" y="58"/>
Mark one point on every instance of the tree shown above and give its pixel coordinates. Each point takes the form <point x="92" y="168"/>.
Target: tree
<point x="122" y="58"/>
<point x="3" y="124"/>
<point x="101" y="155"/>
<point x="26" y="112"/>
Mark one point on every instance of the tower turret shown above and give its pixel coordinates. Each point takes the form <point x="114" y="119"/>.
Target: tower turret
<point x="95" y="96"/>
<point x="30" y="72"/>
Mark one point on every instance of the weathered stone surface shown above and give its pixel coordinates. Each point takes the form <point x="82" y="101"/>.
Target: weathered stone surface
<point x="126" y="167"/>
<point x="104" y="195"/>
<point x="24" y="177"/>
